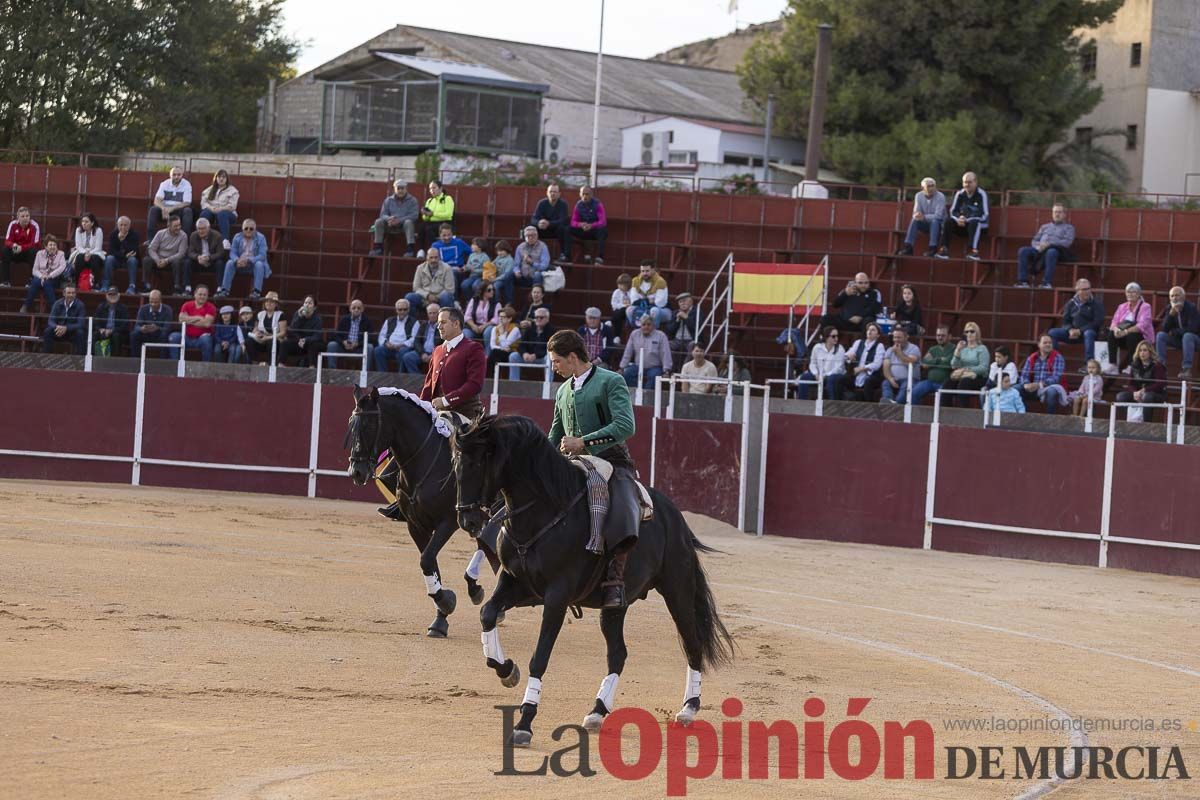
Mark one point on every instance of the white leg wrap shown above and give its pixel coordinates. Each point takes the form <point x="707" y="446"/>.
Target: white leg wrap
<point x="491" y="646"/>
<point x="608" y="690"/>
<point x="432" y="584"/>
<point x="533" y="691"/>
<point x="473" y="566"/>
<point x="693" y="685"/>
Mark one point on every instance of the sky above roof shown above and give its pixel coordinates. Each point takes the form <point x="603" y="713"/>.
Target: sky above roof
<point x="631" y="27"/>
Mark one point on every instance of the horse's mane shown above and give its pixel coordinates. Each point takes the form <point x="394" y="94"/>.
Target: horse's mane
<point x="521" y="451"/>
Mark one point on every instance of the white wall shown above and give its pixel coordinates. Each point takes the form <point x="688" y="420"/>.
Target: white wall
<point x="574" y="122"/>
<point x="785" y="150"/>
<point x="1172" y="142"/>
<point x="688" y="136"/>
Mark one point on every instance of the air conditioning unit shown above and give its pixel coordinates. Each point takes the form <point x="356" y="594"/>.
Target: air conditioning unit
<point x="554" y="148"/>
<point x="655" y="148"/>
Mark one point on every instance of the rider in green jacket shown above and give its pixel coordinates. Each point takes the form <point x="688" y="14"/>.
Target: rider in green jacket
<point x="593" y="414"/>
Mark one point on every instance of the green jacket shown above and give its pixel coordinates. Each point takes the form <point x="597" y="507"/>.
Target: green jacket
<point x="600" y="413"/>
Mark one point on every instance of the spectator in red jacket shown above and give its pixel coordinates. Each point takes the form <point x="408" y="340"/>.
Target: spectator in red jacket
<point x="589" y="223"/>
<point x="21" y="242"/>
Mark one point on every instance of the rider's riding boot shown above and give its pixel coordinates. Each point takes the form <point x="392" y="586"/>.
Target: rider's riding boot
<point x="391" y="512"/>
<point x="614" y="581"/>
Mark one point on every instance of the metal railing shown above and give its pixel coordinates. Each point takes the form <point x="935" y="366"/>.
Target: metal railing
<point x="547" y="381"/>
<point x="822" y="268"/>
<point x="719" y="300"/>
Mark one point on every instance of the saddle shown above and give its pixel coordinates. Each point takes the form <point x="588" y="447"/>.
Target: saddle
<point x="606" y="471"/>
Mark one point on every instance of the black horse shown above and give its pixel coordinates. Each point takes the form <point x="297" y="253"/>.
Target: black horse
<point x="425" y="489"/>
<point x="544" y="559"/>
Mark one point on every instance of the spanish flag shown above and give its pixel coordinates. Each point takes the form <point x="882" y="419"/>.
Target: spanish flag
<point x="771" y="288"/>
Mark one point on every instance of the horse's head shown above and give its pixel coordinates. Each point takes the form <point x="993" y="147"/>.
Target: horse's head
<point x="364" y="436"/>
<point x="473" y="449"/>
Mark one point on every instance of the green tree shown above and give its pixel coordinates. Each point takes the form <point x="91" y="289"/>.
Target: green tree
<point x="916" y="90"/>
<point x="110" y="75"/>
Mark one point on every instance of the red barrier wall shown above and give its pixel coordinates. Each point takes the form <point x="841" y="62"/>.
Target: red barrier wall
<point x="845" y="479"/>
<point x="698" y="465"/>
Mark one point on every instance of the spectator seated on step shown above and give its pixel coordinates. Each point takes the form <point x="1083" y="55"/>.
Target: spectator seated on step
<point x="123" y="244"/>
<point x="648" y="347"/>
<point x="248" y="255"/>
<point x="1051" y="244"/>
<point x="482" y="312"/>
<point x="533" y="344"/>
<point x="438" y="208"/>
<point x="229" y="342"/>
<point x="854" y="307"/>
<point x="304" y="334"/>
<point x="429" y="336"/>
<point x="218" y="205"/>
<point x="270" y="325"/>
<point x="206" y="253"/>
<point x="552" y="219"/>
<point x="827" y="363"/>
<point x="1042" y="376"/>
<point x="530" y="261"/>
<point x="432" y="283"/>
<point x="597" y="338"/>
<point x="66" y="323"/>
<point x="1180" y="330"/>
<point x="352" y="329"/>
<point x="151" y="326"/>
<point x="928" y="216"/>
<point x="173" y="198"/>
<point x="453" y="250"/>
<point x="1147" y="378"/>
<point x="899" y="359"/>
<point x="684" y="327"/>
<point x="698" y="366"/>
<point x="398" y="341"/>
<point x="1007" y="397"/>
<point x="937" y="362"/>
<point x="49" y="267"/>
<point x="864" y="360"/>
<point x="589" y="222"/>
<point x="167" y="251"/>
<point x="110" y="327"/>
<point x="398" y="214"/>
<point x="968" y="217"/>
<point x="1082" y="320"/>
<point x="479" y="268"/>
<point x="197" y="316"/>
<point x="89" y="250"/>
<point x="649" y="295"/>
<point x="22" y="240"/>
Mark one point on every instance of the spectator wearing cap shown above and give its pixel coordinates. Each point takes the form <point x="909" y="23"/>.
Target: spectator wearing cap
<point x="1180" y="330"/>
<point x="245" y="323"/>
<point x="66" y="323"/>
<point x="353" y="328"/>
<point x="1132" y="323"/>
<point x="304" y="338"/>
<point x="531" y="259"/>
<point x="698" y="367"/>
<point x="1082" y="319"/>
<point x="533" y="343"/>
<point x="111" y="323"/>
<point x="648" y="295"/>
<point x="683" y="329"/>
<point x="152" y="326"/>
<point x="1042" y="376"/>
<point x="597" y="337"/>
<point x="433" y="282"/>
<point x="398" y="214"/>
<point x="589" y="222"/>
<point x="197" y="316"/>
<point x="552" y="219"/>
<point x="248" y="255"/>
<point x="1050" y="244"/>
<point x="928" y="216"/>
<point x="228" y="339"/>
<point x="269" y="324"/>
<point x="648" y="347"/>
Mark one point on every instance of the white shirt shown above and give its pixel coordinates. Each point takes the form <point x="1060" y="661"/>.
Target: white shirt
<point x="578" y="381"/>
<point x="173" y="195"/>
<point x="399" y="336"/>
<point x="453" y="343"/>
<point x="995" y="370"/>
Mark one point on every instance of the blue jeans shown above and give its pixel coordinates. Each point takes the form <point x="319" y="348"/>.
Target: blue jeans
<point x="899" y="394"/>
<point x="336" y="347"/>
<point x="648" y="376"/>
<point x="410" y="360"/>
<point x="1025" y="258"/>
<point x="46" y="287"/>
<point x="833" y="387"/>
<point x="222" y="219"/>
<point x="931" y="226"/>
<point x="258" y="268"/>
<point x="110" y="265"/>
<point x="468" y="286"/>
<point x="923" y="389"/>
<point x="204" y="342"/>
<point x="514" y="374"/>
<point x="1061" y="335"/>
<point x="1187" y="344"/>
<point x="661" y="316"/>
<point x="232" y="356"/>
<point x="445" y="300"/>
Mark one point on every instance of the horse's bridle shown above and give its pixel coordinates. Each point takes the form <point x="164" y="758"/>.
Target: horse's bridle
<point x="356" y="418"/>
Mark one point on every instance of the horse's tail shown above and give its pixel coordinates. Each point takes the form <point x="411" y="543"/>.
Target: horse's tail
<point x="716" y="645"/>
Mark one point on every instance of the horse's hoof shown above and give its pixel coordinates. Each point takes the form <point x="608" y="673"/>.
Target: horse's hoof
<point x="439" y="628"/>
<point x="521" y="738"/>
<point x="687" y="714"/>
<point x="593" y="721"/>
<point x="513" y="678"/>
<point x="446" y="601"/>
<point x="475" y="592"/>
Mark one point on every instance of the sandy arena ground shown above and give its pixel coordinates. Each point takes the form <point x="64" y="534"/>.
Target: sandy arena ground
<point x="158" y="643"/>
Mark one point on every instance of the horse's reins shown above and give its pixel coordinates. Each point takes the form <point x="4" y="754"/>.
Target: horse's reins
<point x="356" y="423"/>
<point x="524" y="547"/>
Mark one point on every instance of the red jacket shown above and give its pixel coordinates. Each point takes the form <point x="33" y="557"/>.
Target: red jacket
<point x="458" y="375"/>
<point x="29" y="238"/>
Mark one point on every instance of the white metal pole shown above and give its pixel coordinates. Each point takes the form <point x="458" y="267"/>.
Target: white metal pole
<point x="547" y="382"/>
<point x="908" y="395"/>
<point x="745" y="474"/>
<point x="87" y="355"/>
<point x="314" y="431"/>
<point x="762" y="460"/>
<point x="138" y="414"/>
<point x="274" y="353"/>
<point x="362" y="375"/>
<point x="728" y="302"/>
<point x="820" y="394"/>
<point x="494" y="400"/>
<point x="995" y="397"/>
<point x="181" y="365"/>
<point x="1087" y="422"/>
<point x="1106" y="499"/>
<point x="596" y="102"/>
<point x="638" y="397"/>
<point x="1183" y="392"/>
<point x="931" y="473"/>
<point x="1170" y="421"/>
<point x="653" y="448"/>
<point x="729" y="389"/>
<point x="658" y="395"/>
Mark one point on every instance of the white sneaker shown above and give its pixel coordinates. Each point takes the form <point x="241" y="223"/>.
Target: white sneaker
<point x="420" y="254"/>
<point x="226" y="245"/>
<point x="1111" y="369"/>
